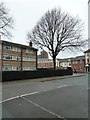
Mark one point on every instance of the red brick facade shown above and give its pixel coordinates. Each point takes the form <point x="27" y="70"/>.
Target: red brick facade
<point x="43" y="54"/>
<point x="78" y="65"/>
<point x="18" y="57"/>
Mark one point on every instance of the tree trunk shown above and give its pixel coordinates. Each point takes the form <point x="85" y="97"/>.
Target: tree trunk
<point x="54" y="62"/>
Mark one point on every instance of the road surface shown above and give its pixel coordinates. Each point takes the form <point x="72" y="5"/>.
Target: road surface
<point x="60" y="98"/>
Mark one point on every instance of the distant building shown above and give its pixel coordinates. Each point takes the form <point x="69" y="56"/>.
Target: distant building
<point x="64" y="63"/>
<point x="43" y="54"/>
<point x="87" y="60"/>
<point x="17" y="57"/>
<point x="78" y="64"/>
<point x="47" y="63"/>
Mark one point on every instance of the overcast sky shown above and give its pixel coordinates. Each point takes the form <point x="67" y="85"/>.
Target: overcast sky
<point x="27" y="13"/>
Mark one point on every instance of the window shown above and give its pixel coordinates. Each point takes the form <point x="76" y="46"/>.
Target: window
<point x="18" y="58"/>
<point x="87" y="60"/>
<point x="26" y="59"/>
<point x="29" y="68"/>
<point x="14" y="57"/>
<point x="7" y="67"/>
<point x="32" y="59"/>
<point x="29" y="51"/>
<point x="7" y="57"/>
<point x="88" y="54"/>
<point x="69" y="64"/>
<point x="18" y="67"/>
<point x="81" y="61"/>
<point x="32" y="68"/>
<point x="7" y="48"/>
<point x="16" y="49"/>
<point x="14" y="68"/>
<point x="29" y="59"/>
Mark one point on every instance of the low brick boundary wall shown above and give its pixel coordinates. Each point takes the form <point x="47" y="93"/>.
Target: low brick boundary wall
<point x="20" y="75"/>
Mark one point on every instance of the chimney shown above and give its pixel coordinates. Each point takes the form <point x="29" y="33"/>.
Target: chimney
<point x="30" y="44"/>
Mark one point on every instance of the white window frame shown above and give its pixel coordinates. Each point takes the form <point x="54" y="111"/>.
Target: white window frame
<point x="18" y="58"/>
<point x="7" y="67"/>
<point x="29" y="51"/>
<point x="7" y="47"/>
<point x="5" y="56"/>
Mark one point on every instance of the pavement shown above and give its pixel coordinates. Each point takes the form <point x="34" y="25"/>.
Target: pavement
<point x="47" y="78"/>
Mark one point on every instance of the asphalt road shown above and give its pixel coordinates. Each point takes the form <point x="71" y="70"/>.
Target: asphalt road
<point x="60" y="98"/>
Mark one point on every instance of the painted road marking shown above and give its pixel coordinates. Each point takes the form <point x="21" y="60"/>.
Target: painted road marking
<point x="30" y="94"/>
<point x="9" y="99"/>
<point x="64" y="86"/>
<point x="41" y="107"/>
<point x="18" y="97"/>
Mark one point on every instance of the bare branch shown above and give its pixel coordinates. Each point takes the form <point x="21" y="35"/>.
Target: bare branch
<point x="6" y="22"/>
<point x="57" y="31"/>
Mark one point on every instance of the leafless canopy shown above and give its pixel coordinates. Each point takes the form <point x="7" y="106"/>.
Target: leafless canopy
<point x="6" y="22"/>
<point x="57" y="31"/>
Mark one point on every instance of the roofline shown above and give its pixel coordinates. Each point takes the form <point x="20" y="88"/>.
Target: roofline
<point x="18" y="45"/>
<point x="87" y="51"/>
<point x="72" y="58"/>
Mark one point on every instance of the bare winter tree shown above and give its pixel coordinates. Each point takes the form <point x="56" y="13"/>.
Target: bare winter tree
<point x="6" y="22"/>
<point x="57" y="31"/>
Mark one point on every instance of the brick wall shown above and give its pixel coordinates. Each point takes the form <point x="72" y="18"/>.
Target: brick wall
<point x="78" y="65"/>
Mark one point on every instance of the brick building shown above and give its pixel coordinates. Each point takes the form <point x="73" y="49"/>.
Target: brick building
<point x="87" y="60"/>
<point x="17" y="57"/>
<point x="64" y="63"/>
<point x="45" y="62"/>
<point x="78" y="64"/>
<point x="43" y="54"/>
